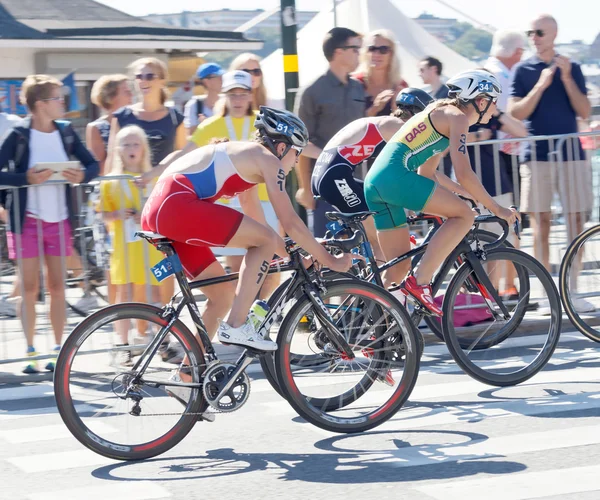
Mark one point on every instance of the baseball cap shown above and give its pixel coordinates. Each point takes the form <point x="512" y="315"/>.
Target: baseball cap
<point x="208" y="69"/>
<point x="236" y="80"/>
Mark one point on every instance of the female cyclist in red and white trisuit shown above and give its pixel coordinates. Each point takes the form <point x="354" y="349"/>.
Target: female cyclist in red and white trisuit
<point x="181" y="208"/>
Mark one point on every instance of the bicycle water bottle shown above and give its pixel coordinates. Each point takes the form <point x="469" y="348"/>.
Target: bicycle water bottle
<point x="258" y="313"/>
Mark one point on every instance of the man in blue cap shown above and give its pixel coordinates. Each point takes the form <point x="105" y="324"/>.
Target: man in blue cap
<point x="200" y="107"/>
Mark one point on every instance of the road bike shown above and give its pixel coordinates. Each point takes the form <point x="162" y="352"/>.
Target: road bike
<point x="121" y="412"/>
<point x="493" y="349"/>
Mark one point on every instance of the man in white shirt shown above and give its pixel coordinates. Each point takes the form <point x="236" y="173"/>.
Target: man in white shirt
<point x="507" y="50"/>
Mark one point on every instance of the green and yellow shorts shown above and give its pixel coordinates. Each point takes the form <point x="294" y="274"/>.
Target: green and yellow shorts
<point x="389" y="191"/>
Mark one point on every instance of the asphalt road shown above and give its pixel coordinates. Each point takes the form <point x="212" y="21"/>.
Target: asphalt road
<point x="456" y="439"/>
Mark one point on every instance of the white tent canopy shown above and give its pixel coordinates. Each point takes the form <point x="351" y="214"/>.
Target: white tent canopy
<point x="363" y="16"/>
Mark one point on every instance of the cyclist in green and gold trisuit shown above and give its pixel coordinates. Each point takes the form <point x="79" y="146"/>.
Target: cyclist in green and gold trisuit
<point x="404" y="177"/>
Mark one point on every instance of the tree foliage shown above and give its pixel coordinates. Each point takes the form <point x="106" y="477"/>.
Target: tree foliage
<point x="472" y="43"/>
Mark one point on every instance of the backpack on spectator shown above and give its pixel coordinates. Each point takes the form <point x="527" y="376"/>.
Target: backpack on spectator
<point x="199" y="104"/>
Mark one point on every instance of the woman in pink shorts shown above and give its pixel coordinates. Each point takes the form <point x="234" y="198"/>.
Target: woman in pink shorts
<point x="39" y="217"/>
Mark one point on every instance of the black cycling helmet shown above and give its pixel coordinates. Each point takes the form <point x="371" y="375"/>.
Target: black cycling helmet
<point x="413" y="100"/>
<point x="279" y="125"/>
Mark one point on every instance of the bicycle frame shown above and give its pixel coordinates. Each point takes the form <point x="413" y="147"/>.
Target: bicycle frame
<point x="302" y="278"/>
<point x="462" y="252"/>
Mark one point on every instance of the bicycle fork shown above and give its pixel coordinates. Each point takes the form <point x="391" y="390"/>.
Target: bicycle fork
<point x="333" y="334"/>
<point x="488" y="291"/>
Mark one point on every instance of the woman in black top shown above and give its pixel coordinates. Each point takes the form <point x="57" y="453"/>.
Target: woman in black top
<point x="163" y="126"/>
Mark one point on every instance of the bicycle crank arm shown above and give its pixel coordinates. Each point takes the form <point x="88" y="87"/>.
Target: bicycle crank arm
<point x="241" y="365"/>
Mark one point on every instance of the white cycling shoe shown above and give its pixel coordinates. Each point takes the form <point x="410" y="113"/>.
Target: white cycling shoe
<point x="245" y="335"/>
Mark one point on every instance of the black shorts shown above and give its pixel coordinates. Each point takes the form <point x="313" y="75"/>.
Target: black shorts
<point x="338" y="187"/>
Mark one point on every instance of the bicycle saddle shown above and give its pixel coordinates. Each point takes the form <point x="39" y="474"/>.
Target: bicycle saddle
<point x="357" y="217"/>
<point x="150" y="236"/>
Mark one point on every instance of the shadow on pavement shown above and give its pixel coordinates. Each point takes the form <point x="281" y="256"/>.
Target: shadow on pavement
<point x="427" y="454"/>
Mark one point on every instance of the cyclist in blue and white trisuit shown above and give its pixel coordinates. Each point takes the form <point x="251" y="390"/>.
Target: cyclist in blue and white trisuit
<point x="361" y="140"/>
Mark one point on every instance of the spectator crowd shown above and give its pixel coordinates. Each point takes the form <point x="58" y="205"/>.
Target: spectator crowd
<point x="137" y="130"/>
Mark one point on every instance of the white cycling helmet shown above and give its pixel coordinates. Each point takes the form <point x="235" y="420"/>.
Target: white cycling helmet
<point x="469" y="85"/>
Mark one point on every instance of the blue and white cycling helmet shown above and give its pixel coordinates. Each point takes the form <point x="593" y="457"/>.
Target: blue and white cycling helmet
<point x="469" y="85"/>
<point x="413" y="100"/>
<point x="279" y="125"/>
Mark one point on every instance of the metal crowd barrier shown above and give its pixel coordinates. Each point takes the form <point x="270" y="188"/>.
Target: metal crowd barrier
<point x="574" y="176"/>
<point x="91" y="240"/>
<point x="86" y="279"/>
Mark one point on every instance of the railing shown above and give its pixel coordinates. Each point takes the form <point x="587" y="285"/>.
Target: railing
<point x="90" y="239"/>
<point x="84" y="275"/>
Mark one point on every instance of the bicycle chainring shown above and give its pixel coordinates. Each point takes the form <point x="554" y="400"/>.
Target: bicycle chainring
<point x="215" y="378"/>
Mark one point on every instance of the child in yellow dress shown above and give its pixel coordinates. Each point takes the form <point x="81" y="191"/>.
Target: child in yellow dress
<point x="121" y="204"/>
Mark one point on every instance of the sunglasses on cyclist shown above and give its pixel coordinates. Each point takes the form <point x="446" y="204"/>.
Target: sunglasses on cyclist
<point x="145" y="76"/>
<point x="298" y="150"/>
<point x="254" y="72"/>
<point x="538" y="33"/>
<point x="382" y="49"/>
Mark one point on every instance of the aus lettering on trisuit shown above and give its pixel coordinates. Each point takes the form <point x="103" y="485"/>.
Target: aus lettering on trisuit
<point x="421" y="127"/>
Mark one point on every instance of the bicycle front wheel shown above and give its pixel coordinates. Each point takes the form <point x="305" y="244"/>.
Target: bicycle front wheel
<point x="579" y="282"/>
<point x="115" y="408"/>
<point x="517" y="342"/>
<point x="341" y="394"/>
<point x="433" y="323"/>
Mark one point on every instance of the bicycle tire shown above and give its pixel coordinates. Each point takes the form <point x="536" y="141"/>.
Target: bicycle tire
<point x="453" y="343"/>
<point x="315" y="415"/>
<point x="433" y="323"/>
<point x="564" y="287"/>
<point x="65" y="403"/>
<point x="267" y="361"/>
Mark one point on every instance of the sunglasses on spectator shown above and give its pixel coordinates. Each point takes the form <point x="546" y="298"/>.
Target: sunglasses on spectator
<point x="382" y="49"/>
<point x="147" y="76"/>
<point x="58" y="98"/>
<point x="355" y="48"/>
<point x="254" y="72"/>
<point x="539" y="33"/>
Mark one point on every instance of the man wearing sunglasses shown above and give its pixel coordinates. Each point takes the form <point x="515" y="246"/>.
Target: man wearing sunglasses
<point x="326" y="106"/>
<point x="430" y="70"/>
<point x="549" y="91"/>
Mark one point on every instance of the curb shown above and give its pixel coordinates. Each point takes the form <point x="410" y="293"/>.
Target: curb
<point x="227" y="354"/>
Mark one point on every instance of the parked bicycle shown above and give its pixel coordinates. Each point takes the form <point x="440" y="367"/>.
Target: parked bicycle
<point x="363" y="331"/>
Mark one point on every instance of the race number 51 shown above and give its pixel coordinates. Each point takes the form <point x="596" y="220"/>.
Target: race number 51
<point x="166" y="268"/>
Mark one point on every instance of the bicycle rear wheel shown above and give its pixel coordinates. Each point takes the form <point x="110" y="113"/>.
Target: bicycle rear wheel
<point x="107" y="404"/>
<point x="342" y="394"/>
<point x="580" y="279"/>
<point x="517" y="346"/>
